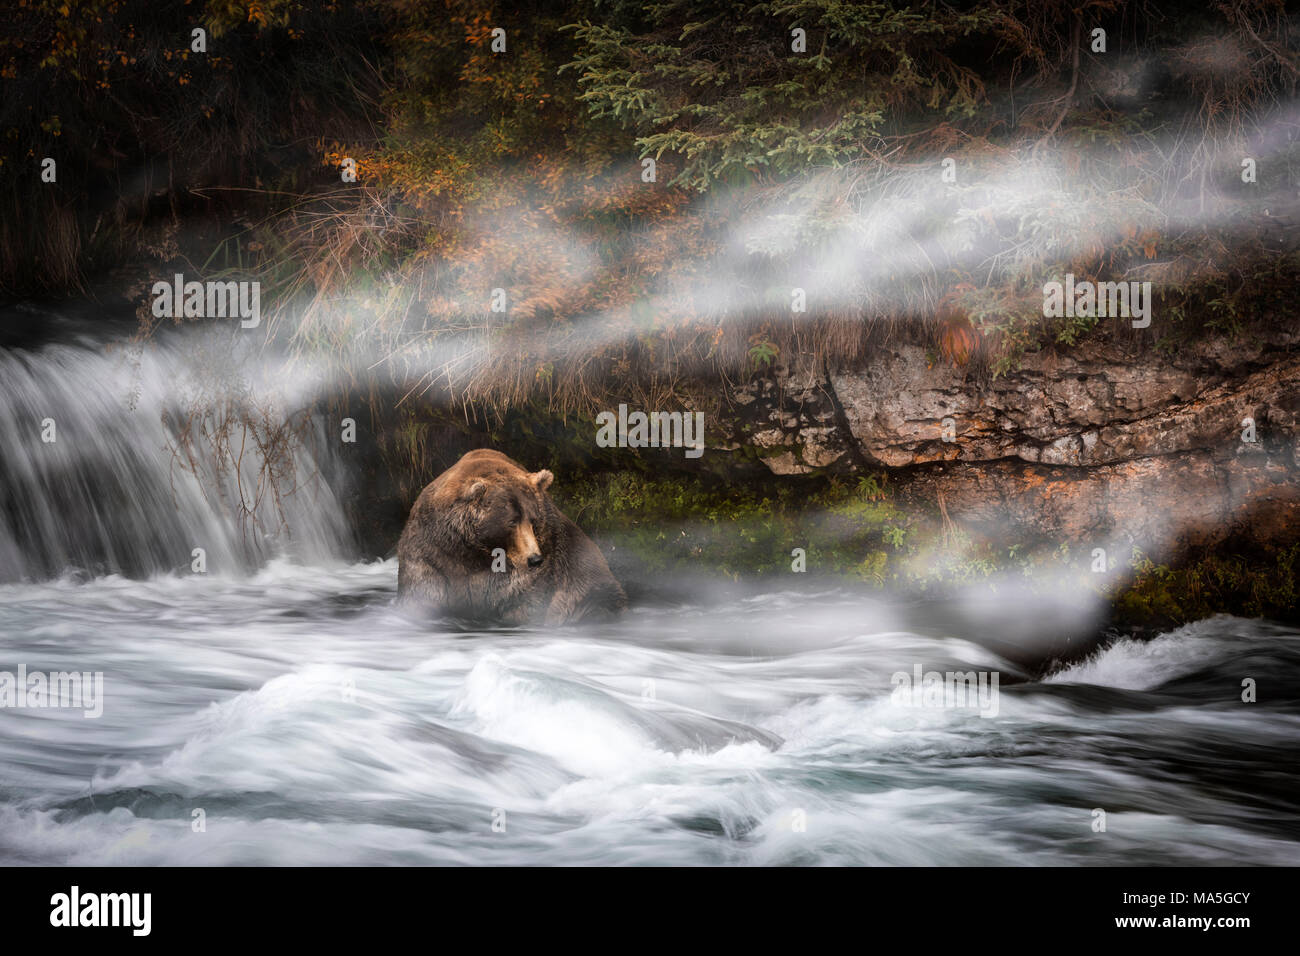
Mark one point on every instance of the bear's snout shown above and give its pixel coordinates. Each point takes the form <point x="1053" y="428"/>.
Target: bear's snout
<point x="526" y="551"/>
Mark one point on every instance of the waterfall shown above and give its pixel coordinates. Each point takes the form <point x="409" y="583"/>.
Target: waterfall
<point x="111" y="461"/>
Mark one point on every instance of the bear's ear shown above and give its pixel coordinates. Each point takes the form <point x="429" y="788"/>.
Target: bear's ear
<point x="541" y="479"/>
<point x="474" y="492"/>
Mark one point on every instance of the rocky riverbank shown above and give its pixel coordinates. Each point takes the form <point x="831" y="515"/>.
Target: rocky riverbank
<point x="1110" y="443"/>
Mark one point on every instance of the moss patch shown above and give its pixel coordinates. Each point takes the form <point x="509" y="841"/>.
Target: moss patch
<point x="853" y="531"/>
<point x="1257" y="585"/>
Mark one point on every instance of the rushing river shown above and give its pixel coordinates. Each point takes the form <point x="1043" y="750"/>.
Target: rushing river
<point x="278" y="710"/>
<point x="311" y="724"/>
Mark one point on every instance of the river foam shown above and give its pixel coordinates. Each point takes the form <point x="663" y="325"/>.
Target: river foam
<point x="293" y="717"/>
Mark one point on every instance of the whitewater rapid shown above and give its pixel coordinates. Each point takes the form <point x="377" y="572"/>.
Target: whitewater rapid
<point x="293" y="717"/>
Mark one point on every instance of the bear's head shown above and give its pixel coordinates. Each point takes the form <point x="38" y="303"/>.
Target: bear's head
<point x="513" y="513"/>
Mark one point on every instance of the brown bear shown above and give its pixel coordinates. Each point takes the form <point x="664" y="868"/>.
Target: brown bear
<point x="545" y="568"/>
